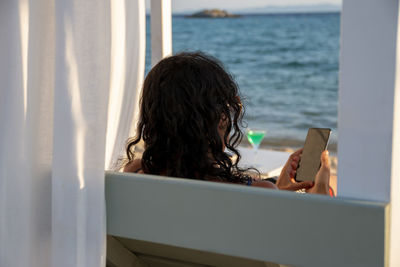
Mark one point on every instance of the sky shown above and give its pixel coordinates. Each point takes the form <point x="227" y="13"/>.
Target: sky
<point x="192" y="5"/>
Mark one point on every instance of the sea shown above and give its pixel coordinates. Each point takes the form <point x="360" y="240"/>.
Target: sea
<point x="286" y="66"/>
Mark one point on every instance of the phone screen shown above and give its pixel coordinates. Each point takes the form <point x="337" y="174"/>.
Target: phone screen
<point x="310" y="160"/>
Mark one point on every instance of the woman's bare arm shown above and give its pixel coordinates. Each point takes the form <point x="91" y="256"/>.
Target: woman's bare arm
<point x="134" y="166"/>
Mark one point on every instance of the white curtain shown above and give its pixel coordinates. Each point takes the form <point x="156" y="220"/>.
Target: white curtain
<point x="70" y="73"/>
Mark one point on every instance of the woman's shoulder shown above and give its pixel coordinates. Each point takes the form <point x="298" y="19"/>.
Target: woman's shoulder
<point x="134" y="166"/>
<point x="264" y="183"/>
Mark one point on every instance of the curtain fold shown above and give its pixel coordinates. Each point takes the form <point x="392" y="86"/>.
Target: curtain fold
<point x="128" y="22"/>
<point x="70" y="77"/>
<point x="82" y="56"/>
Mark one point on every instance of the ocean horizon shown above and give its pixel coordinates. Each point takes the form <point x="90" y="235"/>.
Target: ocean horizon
<point x="286" y="66"/>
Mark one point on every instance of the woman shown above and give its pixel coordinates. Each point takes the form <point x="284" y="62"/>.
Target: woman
<point x="190" y="113"/>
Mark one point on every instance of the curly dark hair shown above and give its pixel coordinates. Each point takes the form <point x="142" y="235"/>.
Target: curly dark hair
<point x="187" y="101"/>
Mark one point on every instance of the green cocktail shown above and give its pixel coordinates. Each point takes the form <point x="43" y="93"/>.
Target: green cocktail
<point x="255" y="137"/>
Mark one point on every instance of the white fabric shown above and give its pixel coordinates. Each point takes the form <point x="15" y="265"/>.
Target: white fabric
<point x="127" y="50"/>
<point x="65" y="68"/>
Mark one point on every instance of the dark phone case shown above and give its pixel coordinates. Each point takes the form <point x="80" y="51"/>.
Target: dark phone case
<point x="310" y="160"/>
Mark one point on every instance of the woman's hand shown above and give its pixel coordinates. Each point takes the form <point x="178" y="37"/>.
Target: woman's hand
<point x="286" y="178"/>
<point x="323" y="175"/>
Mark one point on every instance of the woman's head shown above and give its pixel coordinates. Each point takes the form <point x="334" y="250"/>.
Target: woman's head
<point x="190" y="110"/>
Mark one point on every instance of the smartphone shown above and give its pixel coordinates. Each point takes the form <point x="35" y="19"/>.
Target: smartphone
<point x="310" y="160"/>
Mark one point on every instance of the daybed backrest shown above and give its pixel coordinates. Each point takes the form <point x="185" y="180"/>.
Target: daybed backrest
<point x="243" y="222"/>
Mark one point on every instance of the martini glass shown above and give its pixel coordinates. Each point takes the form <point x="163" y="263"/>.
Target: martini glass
<point x="255" y="137"/>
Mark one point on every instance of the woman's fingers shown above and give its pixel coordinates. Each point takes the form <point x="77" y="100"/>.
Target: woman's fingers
<point x="294" y="159"/>
<point x="321" y="184"/>
<point x="297" y="153"/>
<point x="299" y="185"/>
<point x="325" y="162"/>
<point x="295" y="156"/>
<point x="324" y="171"/>
<point x="323" y="176"/>
<point x="289" y="170"/>
<point x="294" y="164"/>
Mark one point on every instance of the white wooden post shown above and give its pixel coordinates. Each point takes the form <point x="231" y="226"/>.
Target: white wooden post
<point x="161" y="30"/>
<point x="394" y="256"/>
<point x="366" y="91"/>
<point x="369" y="108"/>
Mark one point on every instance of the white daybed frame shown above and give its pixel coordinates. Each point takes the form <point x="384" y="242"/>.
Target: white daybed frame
<point x="244" y="222"/>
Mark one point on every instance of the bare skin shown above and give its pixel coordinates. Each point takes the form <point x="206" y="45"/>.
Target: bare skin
<point x="134" y="166"/>
<point x="286" y="178"/>
<point x="322" y="178"/>
<point x="320" y="186"/>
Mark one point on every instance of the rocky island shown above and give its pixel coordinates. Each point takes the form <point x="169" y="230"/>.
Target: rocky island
<point x="213" y="13"/>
